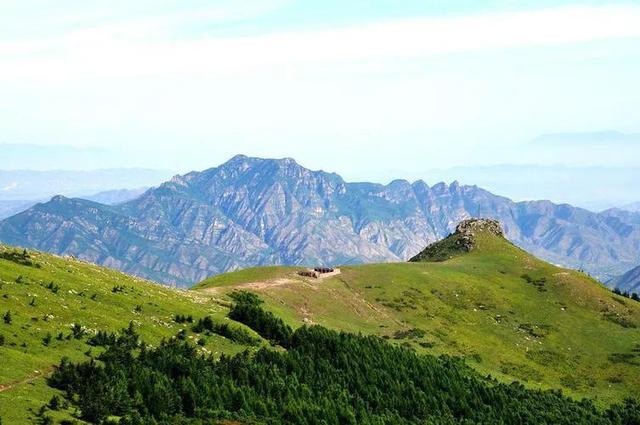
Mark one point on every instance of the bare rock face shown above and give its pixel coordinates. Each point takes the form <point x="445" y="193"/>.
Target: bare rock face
<point x="254" y="211"/>
<point x="468" y="228"/>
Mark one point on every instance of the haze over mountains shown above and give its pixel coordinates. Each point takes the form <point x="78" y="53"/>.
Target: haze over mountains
<point x="594" y="170"/>
<point x="108" y="197"/>
<point x="30" y="185"/>
<point x="253" y="211"/>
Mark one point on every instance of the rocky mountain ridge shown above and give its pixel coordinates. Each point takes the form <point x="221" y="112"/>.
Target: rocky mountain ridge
<point x="254" y="211"/>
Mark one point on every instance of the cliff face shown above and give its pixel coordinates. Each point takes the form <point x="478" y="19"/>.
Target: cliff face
<point x="253" y="211"/>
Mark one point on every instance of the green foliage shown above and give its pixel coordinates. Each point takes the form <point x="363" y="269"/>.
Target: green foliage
<point x="325" y="377"/>
<point x="443" y="250"/>
<point x="248" y="310"/>
<point x="25" y="360"/>
<point x="182" y="334"/>
<point x="54" y="403"/>
<point x="53" y="287"/>
<point x="246" y="298"/>
<point x="634" y="296"/>
<point x="47" y="339"/>
<point x="181" y="318"/>
<point x="78" y="330"/>
<point x="19" y="257"/>
<point x="234" y="333"/>
<point x="538" y="283"/>
<point x="413" y="333"/>
<point x="475" y="305"/>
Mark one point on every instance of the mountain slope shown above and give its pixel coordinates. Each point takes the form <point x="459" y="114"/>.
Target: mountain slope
<point x="252" y="211"/>
<point x="508" y="313"/>
<point x="628" y="282"/>
<point x="43" y="296"/>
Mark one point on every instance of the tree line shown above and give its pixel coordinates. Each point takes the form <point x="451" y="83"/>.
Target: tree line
<point x="323" y="377"/>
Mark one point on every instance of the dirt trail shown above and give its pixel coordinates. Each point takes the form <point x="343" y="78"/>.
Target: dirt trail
<point x="36" y="375"/>
<point x="265" y="284"/>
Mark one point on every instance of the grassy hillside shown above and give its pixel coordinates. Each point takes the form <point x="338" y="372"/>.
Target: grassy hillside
<point x="50" y="307"/>
<point x="509" y="314"/>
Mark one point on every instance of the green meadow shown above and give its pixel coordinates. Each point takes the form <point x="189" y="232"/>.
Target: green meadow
<point x="508" y="314"/>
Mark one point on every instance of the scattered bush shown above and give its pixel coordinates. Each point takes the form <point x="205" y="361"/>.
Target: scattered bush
<point x="7" y="318"/>
<point x="47" y="339"/>
<point x="22" y="258"/>
<point x="182" y="334"/>
<point x="53" y="287"/>
<point x="181" y="318"/>
<point x="413" y="333"/>
<point x="54" y="403"/>
<point x="78" y="331"/>
<point x="634" y="296"/>
<point x="538" y="283"/>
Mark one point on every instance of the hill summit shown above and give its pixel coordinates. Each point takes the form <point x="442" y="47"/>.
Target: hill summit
<point x="463" y="240"/>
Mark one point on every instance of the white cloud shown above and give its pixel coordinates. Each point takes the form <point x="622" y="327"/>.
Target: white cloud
<point x="147" y="48"/>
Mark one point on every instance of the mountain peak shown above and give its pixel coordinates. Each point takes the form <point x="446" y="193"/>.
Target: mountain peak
<point x="58" y="198"/>
<point x="463" y="240"/>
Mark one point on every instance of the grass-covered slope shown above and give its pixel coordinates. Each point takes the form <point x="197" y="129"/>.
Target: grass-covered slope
<point x="508" y="313"/>
<point x="50" y="307"/>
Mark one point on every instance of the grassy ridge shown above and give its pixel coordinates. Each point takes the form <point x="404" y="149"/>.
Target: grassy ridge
<point x="508" y="313"/>
<point x="48" y="297"/>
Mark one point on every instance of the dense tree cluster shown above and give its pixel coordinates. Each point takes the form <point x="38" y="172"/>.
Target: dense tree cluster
<point x="248" y="310"/>
<point x="324" y="377"/>
<point x="234" y="333"/>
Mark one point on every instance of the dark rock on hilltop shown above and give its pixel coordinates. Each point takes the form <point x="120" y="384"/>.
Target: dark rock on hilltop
<point x="461" y="241"/>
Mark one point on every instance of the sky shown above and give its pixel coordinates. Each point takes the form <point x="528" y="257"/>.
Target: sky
<point x="369" y="89"/>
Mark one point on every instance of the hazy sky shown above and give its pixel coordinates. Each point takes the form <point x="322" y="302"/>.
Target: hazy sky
<point x="359" y="87"/>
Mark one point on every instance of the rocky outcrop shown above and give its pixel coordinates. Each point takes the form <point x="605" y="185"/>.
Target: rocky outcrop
<point x="254" y="211"/>
<point x="469" y="228"/>
<point x="463" y="240"/>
